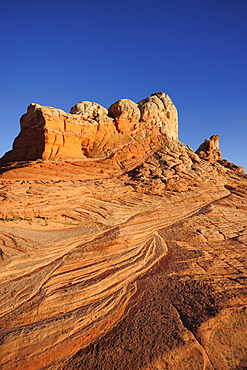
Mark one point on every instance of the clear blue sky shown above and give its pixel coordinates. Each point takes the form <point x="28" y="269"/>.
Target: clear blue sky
<point x="60" y="52"/>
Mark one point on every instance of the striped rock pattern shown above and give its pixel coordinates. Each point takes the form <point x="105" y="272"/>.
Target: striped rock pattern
<point x="132" y="261"/>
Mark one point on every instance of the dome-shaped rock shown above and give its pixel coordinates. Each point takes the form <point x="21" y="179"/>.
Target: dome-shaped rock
<point x="89" y="110"/>
<point x="125" y="109"/>
<point x="159" y="109"/>
<point x="125" y="113"/>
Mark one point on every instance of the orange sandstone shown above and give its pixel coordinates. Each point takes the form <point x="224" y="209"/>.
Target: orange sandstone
<point x="120" y="247"/>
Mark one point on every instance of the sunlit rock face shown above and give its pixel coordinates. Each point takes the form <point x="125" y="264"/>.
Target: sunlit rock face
<point x="132" y="256"/>
<point x="90" y="130"/>
<point x="210" y="149"/>
<point x="158" y="109"/>
<point x="126" y="114"/>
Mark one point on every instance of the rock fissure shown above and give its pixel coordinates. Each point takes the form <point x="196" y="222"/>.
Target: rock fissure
<point x="195" y="337"/>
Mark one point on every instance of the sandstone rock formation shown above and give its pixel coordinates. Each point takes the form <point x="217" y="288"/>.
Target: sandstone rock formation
<point x="89" y="110"/>
<point x="128" y="258"/>
<point x="158" y="109"/>
<point x="210" y="149"/>
<point x="90" y="130"/>
<point x="232" y="166"/>
<point x="125" y="113"/>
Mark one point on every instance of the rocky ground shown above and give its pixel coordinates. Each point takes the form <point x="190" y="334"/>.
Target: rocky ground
<point x="133" y="261"/>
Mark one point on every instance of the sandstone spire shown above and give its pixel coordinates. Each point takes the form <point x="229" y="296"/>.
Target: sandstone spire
<point x="210" y="149"/>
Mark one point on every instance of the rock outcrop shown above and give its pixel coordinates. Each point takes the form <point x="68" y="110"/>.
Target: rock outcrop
<point x="128" y="257"/>
<point x="234" y="167"/>
<point x="158" y="109"/>
<point x="210" y="149"/>
<point x="89" y="110"/>
<point x="125" y="113"/>
<point x="90" y="130"/>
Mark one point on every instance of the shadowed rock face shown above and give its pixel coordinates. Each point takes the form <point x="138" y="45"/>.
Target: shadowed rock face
<point x="134" y="260"/>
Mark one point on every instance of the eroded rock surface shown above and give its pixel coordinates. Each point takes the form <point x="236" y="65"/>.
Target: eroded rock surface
<point x="125" y="113"/>
<point x="158" y="109"/>
<point x="90" y="130"/>
<point x="89" y="110"/>
<point x="135" y="260"/>
<point x="210" y="149"/>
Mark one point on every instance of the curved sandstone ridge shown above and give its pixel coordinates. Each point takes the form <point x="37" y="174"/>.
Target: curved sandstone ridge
<point x="132" y="260"/>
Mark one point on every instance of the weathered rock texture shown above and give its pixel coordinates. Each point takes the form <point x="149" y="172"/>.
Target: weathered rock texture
<point x="88" y="110"/>
<point x="132" y="261"/>
<point x="210" y="149"/>
<point x="158" y="109"/>
<point x="125" y="113"/>
<point x="89" y="130"/>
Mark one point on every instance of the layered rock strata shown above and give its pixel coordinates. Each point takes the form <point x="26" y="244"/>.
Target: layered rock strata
<point x="136" y="260"/>
<point x="90" y="130"/>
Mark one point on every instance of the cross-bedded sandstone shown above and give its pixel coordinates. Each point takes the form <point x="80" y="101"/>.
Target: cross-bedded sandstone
<point x="129" y="257"/>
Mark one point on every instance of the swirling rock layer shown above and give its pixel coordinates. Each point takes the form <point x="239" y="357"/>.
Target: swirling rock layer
<point x="132" y="261"/>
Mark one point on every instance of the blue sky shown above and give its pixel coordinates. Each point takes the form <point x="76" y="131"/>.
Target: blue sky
<point x="60" y="52"/>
